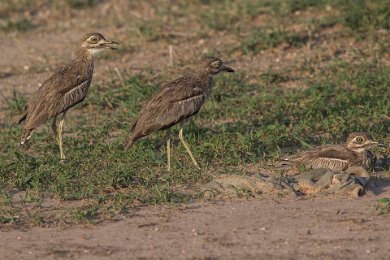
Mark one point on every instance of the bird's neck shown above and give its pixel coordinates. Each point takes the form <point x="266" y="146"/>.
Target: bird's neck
<point x="202" y="76"/>
<point x="84" y="62"/>
<point x="360" y="150"/>
<point x="84" y="54"/>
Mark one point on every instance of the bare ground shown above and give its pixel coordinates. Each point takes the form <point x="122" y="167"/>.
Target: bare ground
<point x="321" y="228"/>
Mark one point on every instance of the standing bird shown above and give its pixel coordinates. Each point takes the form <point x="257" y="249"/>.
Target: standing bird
<point x="64" y="89"/>
<point x="176" y="101"/>
<point x="339" y="157"/>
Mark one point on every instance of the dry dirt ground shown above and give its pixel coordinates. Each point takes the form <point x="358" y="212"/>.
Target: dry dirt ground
<point x="288" y="228"/>
<point x="316" y="228"/>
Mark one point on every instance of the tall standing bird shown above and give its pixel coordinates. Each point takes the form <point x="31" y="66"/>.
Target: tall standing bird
<point x="339" y="157"/>
<point x="64" y="89"/>
<point x="176" y="101"/>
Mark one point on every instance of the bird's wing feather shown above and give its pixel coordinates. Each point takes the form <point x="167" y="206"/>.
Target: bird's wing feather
<point x="74" y="96"/>
<point x="327" y="156"/>
<point x="61" y="91"/>
<point x="331" y="163"/>
<point x="173" y="103"/>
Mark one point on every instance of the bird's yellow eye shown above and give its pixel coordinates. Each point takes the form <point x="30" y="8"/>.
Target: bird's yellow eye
<point x="359" y="140"/>
<point x="216" y="64"/>
<point x="93" y="39"/>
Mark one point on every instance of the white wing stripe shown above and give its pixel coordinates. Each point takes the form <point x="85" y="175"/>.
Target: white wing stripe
<point x="332" y="159"/>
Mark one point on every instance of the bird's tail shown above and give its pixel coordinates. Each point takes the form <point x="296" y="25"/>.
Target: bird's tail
<point x="22" y="118"/>
<point x="133" y="137"/>
<point x="26" y="135"/>
<point x="129" y="144"/>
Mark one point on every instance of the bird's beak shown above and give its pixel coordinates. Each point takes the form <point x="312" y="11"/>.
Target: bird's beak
<point x="373" y="143"/>
<point x="108" y="45"/>
<point x="226" y="68"/>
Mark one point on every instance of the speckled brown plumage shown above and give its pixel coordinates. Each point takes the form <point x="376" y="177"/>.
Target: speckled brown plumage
<point x="63" y="90"/>
<point x="176" y="101"/>
<point x="66" y="87"/>
<point x="339" y="157"/>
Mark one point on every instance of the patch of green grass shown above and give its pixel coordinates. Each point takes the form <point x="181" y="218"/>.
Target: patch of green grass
<point x="295" y="5"/>
<point x="383" y="206"/>
<point x="228" y="15"/>
<point x="81" y="3"/>
<point x="87" y="214"/>
<point x="241" y="123"/>
<point x="7" y="220"/>
<point x="221" y="17"/>
<point x="16" y="103"/>
<point x="270" y="38"/>
<point x="151" y="30"/>
<point x="20" y="25"/>
<point x="367" y="15"/>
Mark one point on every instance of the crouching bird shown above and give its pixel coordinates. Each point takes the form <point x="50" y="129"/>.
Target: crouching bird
<point x="176" y="101"/>
<point x="67" y="87"/>
<point x="339" y="157"/>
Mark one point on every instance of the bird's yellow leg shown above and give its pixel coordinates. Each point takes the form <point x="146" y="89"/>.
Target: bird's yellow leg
<point x="56" y="134"/>
<point x="59" y="140"/>
<point x="168" y="139"/>
<point x="169" y="154"/>
<point x="181" y="137"/>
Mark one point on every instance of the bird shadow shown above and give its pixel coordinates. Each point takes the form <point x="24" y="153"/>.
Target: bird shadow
<point x="378" y="184"/>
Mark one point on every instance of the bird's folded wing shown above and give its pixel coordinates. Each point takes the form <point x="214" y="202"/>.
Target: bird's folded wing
<point x="74" y="96"/>
<point x="327" y="156"/>
<point x="323" y="151"/>
<point x="339" y="153"/>
<point x="51" y="101"/>
<point x="68" y="77"/>
<point x="180" y="89"/>
<point x="171" y="105"/>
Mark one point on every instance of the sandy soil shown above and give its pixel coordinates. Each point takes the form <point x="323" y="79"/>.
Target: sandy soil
<point x="321" y="228"/>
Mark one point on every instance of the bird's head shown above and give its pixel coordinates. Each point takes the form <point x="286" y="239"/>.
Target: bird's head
<point x="360" y="141"/>
<point x="213" y="66"/>
<point x="95" y="42"/>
